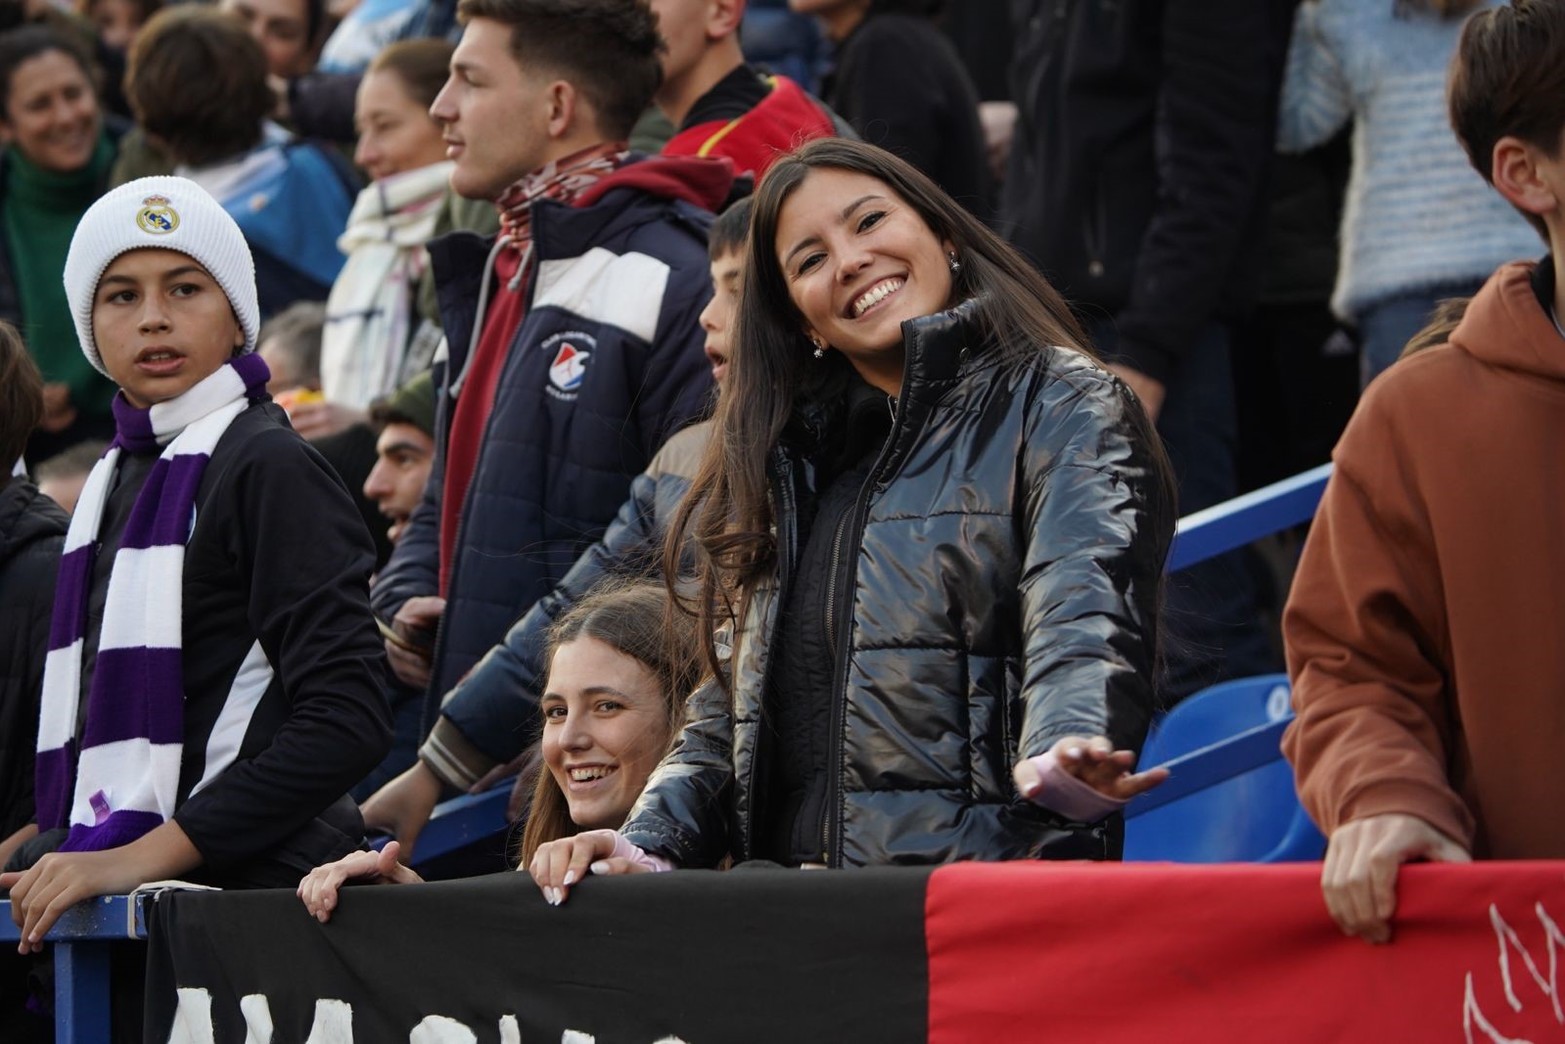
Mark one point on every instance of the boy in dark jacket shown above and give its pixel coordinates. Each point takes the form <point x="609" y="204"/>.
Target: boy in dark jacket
<point x="32" y="531"/>
<point x="575" y="349"/>
<point x="214" y="679"/>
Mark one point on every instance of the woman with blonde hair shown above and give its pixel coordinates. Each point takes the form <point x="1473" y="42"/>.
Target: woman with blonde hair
<point x="375" y="340"/>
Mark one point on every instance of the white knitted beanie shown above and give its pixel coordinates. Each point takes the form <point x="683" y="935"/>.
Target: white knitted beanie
<point x="167" y="213"/>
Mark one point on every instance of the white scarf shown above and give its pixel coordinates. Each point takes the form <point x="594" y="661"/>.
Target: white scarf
<point x="121" y="778"/>
<point x="369" y="311"/>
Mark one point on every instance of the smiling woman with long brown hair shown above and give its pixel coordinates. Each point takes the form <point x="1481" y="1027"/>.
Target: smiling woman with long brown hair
<point x="931" y="531"/>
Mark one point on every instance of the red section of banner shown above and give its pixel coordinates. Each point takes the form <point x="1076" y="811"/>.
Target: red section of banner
<point x="1141" y="953"/>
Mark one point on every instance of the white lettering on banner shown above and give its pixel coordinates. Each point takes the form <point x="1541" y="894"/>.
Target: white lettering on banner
<point x="334" y="1024"/>
<point x="438" y="1029"/>
<point x="1507" y="939"/>
<point x="192" y="1018"/>
<point x="1472" y="1015"/>
<point x="258" y="1018"/>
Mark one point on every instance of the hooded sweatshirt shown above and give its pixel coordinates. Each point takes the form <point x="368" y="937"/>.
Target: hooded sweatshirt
<point x="1424" y="626"/>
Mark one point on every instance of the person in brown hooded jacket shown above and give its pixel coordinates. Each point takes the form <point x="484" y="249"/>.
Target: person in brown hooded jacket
<point x="1424" y="625"/>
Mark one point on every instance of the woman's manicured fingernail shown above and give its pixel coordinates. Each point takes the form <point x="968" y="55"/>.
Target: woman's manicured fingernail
<point x="570" y="878"/>
<point x="600" y="867"/>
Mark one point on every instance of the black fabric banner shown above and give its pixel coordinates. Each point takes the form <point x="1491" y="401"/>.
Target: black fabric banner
<point x="749" y="955"/>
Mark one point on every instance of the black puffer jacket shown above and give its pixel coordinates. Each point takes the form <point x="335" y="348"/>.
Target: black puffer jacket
<point x="32" y="532"/>
<point x="1005" y="564"/>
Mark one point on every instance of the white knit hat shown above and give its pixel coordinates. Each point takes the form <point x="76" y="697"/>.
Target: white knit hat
<point x="167" y="213"/>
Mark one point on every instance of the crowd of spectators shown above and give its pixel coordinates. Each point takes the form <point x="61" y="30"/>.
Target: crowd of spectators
<point x="758" y="428"/>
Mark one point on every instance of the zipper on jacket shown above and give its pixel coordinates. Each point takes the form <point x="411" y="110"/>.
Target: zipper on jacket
<point x="786" y="514"/>
<point x="438" y="653"/>
<point x="839" y="623"/>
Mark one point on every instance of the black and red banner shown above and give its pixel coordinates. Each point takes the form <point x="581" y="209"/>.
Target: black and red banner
<point x="972" y="952"/>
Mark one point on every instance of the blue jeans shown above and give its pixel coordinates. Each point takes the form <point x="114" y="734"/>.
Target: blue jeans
<point x="1386" y="326"/>
<point x="1211" y="627"/>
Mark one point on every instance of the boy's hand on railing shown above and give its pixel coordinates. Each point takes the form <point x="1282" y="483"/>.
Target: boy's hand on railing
<point x="320" y="886"/>
<point x="559" y="864"/>
<point x="403" y="806"/>
<point x="1359" y="877"/>
<point x="60" y="880"/>
<point x="57" y="882"/>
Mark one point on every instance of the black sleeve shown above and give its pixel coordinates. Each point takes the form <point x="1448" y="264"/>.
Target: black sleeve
<point x="1215" y="127"/>
<point x="682" y="815"/>
<point x="302" y="549"/>
<point x="30" y="584"/>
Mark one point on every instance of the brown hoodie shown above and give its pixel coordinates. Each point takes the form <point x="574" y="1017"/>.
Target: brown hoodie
<point x="1426" y="626"/>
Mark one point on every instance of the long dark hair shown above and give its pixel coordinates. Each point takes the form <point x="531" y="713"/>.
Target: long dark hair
<point x="727" y="516"/>
<point x="631" y="618"/>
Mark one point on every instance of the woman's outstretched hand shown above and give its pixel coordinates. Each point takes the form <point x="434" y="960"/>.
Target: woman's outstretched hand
<point x="1095" y="762"/>
<point x="559" y="864"/>
<point x="320" y="886"/>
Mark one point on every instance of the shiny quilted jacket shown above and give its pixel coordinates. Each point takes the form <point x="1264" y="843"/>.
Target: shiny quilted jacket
<point x="1005" y="581"/>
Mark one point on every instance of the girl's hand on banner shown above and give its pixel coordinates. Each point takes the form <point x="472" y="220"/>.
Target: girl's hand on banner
<point x="558" y="865"/>
<point x="1096" y="763"/>
<point x="320" y="886"/>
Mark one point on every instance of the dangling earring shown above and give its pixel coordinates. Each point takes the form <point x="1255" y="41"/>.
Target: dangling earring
<point x="820" y="348"/>
<point x="956" y="266"/>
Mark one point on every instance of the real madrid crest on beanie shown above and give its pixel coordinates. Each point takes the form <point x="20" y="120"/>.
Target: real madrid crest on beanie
<point x="165" y="213"/>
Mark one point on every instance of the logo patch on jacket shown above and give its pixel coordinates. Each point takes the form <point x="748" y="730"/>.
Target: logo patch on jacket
<point x="572" y="351"/>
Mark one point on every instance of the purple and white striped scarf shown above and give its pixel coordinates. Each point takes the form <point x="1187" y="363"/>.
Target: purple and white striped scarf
<point x="126" y="771"/>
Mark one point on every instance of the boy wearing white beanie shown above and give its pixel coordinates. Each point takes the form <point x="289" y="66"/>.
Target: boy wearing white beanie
<point x="205" y="712"/>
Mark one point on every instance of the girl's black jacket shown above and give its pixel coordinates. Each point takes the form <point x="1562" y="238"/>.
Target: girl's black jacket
<point x="998" y="589"/>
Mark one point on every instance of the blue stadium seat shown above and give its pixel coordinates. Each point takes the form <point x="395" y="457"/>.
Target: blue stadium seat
<point x="1254" y="816"/>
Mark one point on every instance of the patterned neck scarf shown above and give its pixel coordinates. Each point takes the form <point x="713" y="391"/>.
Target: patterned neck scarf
<point x="126" y="773"/>
<point x="562" y="180"/>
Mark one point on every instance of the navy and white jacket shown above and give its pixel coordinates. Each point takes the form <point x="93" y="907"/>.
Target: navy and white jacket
<point x="492" y="716"/>
<point x="622" y="276"/>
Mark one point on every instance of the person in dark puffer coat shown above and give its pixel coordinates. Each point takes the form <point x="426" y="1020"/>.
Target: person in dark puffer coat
<point x="942" y="535"/>
<point x="32" y="533"/>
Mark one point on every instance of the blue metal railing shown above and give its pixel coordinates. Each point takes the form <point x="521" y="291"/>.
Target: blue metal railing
<point x="82" y="960"/>
<point x="1245" y="519"/>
